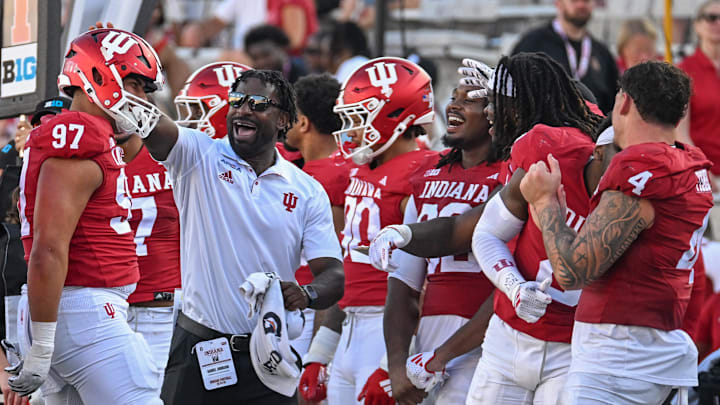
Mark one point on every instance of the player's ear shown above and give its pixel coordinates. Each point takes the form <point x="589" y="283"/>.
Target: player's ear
<point x="304" y="123"/>
<point x="626" y="102"/>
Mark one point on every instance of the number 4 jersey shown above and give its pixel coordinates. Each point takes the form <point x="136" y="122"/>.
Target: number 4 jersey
<point x="156" y="227"/>
<point x="102" y="252"/>
<point x="650" y="284"/>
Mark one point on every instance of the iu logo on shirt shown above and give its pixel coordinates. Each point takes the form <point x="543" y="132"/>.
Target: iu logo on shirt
<point x="109" y="309"/>
<point x="289" y="201"/>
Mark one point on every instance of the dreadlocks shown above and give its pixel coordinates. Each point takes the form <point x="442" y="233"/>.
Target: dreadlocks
<point x="283" y="89"/>
<point x="542" y="93"/>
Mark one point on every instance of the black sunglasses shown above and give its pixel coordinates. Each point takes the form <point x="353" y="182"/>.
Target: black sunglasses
<point x="256" y="103"/>
<point x="711" y="18"/>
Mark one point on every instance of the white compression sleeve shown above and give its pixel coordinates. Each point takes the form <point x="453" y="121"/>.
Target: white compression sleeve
<point x="496" y="227"/>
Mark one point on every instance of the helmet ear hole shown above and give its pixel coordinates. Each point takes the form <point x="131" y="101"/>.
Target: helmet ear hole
<point x="396" y="113"/>
<point x="97" y="77"/>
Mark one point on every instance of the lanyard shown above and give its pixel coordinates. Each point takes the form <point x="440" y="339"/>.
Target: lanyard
<point x="586" y="48"/>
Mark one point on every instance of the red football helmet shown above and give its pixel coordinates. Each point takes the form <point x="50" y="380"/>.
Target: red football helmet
<point x="382" y="98"/>
<point x="99" y="60"/>
<point x="202" y="102"/>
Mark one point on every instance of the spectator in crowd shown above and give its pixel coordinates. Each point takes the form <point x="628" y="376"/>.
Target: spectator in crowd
<point x="242" y="16"/>
<point x="348" y="49"/>
<point x="567" y="40"/>
<point x="297" y="18"/>
<point x="636" y="43"/>
<point x="162" y="39"/>
<point x="267" y="46"/>
<point x="317" y="52"/>
<point x="703" y="120"/>
<point x="361" y="12"/>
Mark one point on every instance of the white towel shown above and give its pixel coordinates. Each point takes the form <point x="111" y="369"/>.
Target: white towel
<point x="275" y="362"/>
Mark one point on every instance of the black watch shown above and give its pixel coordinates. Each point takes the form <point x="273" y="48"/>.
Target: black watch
<point x="310" y="293"/>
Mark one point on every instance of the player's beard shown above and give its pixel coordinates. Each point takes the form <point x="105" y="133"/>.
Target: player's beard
<point x="453" y="141"/>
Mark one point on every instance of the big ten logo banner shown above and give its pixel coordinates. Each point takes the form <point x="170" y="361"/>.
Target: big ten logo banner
<point x="18" y="57"/>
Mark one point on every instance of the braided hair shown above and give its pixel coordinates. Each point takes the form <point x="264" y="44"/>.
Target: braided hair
<point x="283" y="89"/>
<point x="542" y="93"/>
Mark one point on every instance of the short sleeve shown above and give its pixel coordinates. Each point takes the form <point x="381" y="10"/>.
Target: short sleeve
<point x="72" y="135"/>
<point x="643" y="175"/>
<point x="319" y="237"/>
<point x="411" y="269"/>
<point x="187" y="152"/>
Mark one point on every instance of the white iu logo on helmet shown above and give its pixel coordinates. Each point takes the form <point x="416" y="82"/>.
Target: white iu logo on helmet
<point x="226" y="74"/>
<point x="116" y="42"/>
<point x="382" y="75"/>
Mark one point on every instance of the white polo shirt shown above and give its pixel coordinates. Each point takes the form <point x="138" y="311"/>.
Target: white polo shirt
<point x="234" y="223"/>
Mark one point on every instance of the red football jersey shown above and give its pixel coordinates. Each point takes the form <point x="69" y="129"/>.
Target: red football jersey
<point x="332" y="173"/>
<point x="156" y="227"/>
<point x="572" y="148"/>
<point x="654" y="277"/>
<point x="455" y="285"/>
<point x="102" y="252"/>
<point x="372" y="201"/>
<point x="708" y="329"/>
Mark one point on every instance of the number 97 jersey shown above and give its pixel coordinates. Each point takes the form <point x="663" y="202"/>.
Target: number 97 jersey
<point x="102" y="252"/>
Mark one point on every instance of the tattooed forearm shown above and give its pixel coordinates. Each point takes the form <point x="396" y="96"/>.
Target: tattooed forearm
<point x="579" y="259"/>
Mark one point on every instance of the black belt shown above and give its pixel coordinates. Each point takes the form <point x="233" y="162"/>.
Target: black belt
<point x="238" y="343"/>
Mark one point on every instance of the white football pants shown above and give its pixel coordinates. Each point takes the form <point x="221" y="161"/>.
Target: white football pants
<point x="516" y="368"/>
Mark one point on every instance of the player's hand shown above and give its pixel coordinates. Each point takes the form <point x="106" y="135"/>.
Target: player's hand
<point x="418" y="373"/>
<point x="23" y="129"/>
<point x="377" y="389"/>
<point x="10" y="397"/>
<point x="313" y="382"/>
<point x="477" y="74"/>
<point x="29" y="374"/>
<point x="530" y="300"/>
<point x="388" y="239"/>
<point x="541" y="182"/>
<point x="403" y="390"/>
<point x="294" y="296"/>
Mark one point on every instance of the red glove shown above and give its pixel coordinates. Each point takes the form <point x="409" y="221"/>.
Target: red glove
<point x="377" y="390"/>
<point x="313" y="382"/>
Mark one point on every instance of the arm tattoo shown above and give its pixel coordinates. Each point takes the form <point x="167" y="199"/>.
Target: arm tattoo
<point x="579" y="259"/>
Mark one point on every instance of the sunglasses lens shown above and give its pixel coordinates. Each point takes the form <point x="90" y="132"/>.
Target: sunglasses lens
<point x="236" y="100"/>
<point x="259" y="103"/>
